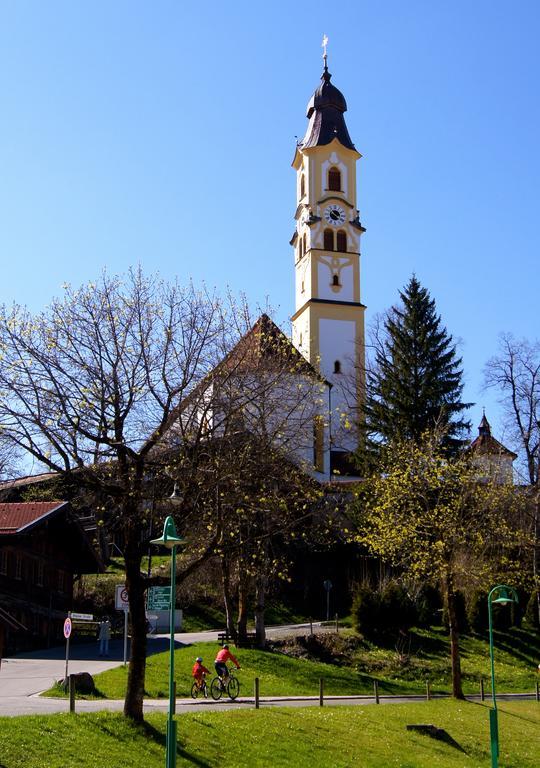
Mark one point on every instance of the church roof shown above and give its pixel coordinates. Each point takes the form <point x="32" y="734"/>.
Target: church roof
<point x="325" y="113"/>
<point x="263" y="347"/>
<point x="485" y="444"/>
<point x="265" y="343"/>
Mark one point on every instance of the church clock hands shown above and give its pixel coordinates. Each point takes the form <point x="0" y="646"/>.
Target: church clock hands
<point x="334" y="215"/>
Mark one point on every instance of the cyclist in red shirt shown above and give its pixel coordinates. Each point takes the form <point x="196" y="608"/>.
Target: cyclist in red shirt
<point x="221" y="663"/>
<point x="199" y="671"/>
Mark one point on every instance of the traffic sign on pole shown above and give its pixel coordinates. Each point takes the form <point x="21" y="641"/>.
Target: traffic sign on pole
<point x="67" y="628"/>
<point x="121" y="598"/>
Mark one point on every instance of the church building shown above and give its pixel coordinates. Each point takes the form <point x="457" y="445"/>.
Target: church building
<point x="328" y="323"/>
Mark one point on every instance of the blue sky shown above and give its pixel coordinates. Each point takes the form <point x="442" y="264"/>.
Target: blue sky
<point x="162" y="133"/>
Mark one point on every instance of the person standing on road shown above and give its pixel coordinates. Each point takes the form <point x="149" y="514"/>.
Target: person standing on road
<point x="104" y="636"/>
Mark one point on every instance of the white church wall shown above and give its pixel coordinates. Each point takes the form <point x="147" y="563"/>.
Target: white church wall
<point x="337" y="344"/>
<point x="344" y="270"/>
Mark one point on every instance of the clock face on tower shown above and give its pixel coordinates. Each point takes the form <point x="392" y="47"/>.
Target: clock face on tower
<point x="334" y="215"/>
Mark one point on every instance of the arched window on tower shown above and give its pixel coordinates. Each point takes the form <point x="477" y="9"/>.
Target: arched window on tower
<point x="342" y="241"/>
<point x="328" y="240"/>
<point x="304" y="240"/>
<point x="335" y="279"/>
<point x="334" y="179"/>
<point x="337" y="366"/>
<point x="302" y="186"/>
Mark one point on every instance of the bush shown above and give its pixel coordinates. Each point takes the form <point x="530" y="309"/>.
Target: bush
<point x="477" y="612"/>
<point x="383" y="613"/>
<point x="428" y="606"/>
<point x="531" y="612"/>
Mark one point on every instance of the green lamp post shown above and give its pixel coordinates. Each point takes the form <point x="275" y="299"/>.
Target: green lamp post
<point x="171" y="540"/>
<point x="501" y="595"/>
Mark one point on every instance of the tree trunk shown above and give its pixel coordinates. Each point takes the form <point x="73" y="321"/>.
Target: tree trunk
<point x="227" y="598"/>
<point x="242" y="611"/>
<point x="536" y="536"/>
<point x="457" y="690"/>
<point x="260" y="601"/>
<point x="133" y="704"/>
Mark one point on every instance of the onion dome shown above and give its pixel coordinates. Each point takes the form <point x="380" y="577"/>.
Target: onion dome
<point x="325" y="113"/>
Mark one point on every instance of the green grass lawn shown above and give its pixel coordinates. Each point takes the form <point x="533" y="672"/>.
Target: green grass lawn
<point x="282" y="675"/>
<point x="337" y="737"/>
<point x="517" y="654"/>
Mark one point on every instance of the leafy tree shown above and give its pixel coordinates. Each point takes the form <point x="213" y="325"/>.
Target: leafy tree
<point x="425" y="514"/>
<point x="414" y="383"/>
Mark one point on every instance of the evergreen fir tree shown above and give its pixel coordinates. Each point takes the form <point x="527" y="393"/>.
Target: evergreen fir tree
<point x="415" y="383"/>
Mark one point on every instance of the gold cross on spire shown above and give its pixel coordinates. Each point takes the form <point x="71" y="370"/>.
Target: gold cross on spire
<point x="324" y="44"/>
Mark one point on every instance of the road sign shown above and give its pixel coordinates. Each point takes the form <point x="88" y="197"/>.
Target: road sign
<point x="327" y="585"/>
<point x="82" y="616"/>
<point x="67" y="628"/>
<point x="121" y="598"/>
<point x="159" y="599"/>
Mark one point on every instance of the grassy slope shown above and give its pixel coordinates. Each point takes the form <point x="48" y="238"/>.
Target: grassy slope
<point x="517" y="654"/>
<point x="334" y="737"/>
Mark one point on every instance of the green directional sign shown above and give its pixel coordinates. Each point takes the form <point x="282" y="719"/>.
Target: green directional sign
<point x="159" y="599"/>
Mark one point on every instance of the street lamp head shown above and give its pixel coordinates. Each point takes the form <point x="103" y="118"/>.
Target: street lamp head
<point x="170" y="537"/>
<point x="504" y="595"/>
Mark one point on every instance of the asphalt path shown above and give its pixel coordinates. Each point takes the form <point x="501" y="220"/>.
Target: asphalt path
<point x="27" y="674"/>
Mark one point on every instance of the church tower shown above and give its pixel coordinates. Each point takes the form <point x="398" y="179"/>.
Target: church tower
<point x="328" y="324"/>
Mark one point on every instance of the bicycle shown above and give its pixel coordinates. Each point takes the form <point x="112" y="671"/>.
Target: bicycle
<point x="199" y="690"/>
<point x="232" y="687"/>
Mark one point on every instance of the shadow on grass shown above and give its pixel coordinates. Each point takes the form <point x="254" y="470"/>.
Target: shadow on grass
<point x="159" y="738"/>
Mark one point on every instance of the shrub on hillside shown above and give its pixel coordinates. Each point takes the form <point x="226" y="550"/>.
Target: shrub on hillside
<point x="531" y="611"/>
<point x="428" y="605"/>
<point x="383" y="613"/>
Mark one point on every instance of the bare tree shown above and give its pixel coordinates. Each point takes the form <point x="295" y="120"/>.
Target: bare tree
<point x="88" y="387"/>
<point x="515" y="374"/>
<point x="125" y="385"/>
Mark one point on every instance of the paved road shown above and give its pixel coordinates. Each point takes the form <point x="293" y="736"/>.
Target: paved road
<point x="33" y="705"/>
<point x="29" y="673"/>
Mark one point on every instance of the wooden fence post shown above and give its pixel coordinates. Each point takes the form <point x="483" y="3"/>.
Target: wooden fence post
<point x="376" y="691"/>
<point x="428" y="690"/>
<point x="482" y="693"/>
<point x="256" y="693"/>
<point x="321" y="691"/>
<point x="310" y="625"/>
<point x="537" y="691"/>
<point x="337" y="625"/>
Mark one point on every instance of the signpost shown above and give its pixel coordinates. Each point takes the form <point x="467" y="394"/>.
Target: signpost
<point x="121" y="601"/>
<point x="81" y="617"/>
<point x="159" y="599"/>
<point x="67" y="635"/>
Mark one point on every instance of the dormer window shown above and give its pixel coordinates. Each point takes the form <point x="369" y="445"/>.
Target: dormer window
<point x="337" y="366"/>
<point x="334" y="179"/>
<point x="328" y="240"/>
<point x="342" y="241"/>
